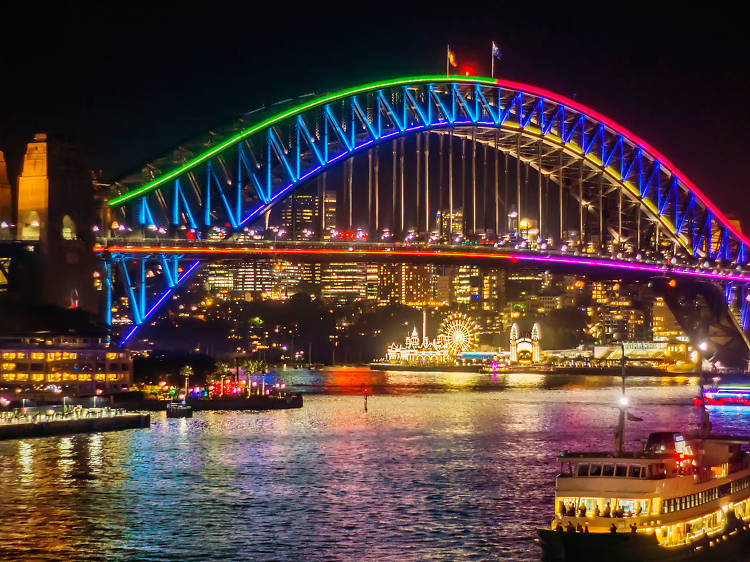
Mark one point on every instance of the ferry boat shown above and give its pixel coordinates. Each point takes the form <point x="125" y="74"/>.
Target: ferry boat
<point x="724" y="396"/>
<point x="682" y="497"/>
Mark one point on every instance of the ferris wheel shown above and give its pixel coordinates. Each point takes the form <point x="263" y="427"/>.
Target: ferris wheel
<point x="459" y="333"/>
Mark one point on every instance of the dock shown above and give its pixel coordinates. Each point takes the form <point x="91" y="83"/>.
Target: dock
<point x="20" y="426"/>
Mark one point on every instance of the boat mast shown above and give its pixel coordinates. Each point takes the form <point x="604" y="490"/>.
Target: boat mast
<point x="705" y="419"/>
<point x="620" y="434"/>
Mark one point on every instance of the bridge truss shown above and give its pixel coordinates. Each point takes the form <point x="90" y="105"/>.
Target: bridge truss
<point x="488" y="160"/>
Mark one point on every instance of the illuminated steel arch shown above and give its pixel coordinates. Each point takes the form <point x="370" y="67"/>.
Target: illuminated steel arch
<point x="212" y="192"/>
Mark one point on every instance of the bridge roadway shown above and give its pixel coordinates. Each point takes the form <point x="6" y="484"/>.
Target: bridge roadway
<point x="479" y="254"/>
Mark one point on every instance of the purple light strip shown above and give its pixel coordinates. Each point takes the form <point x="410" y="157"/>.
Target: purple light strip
<point x="629" y="265"/>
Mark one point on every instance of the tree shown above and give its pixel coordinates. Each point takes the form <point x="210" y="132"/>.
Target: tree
<point x="222" y="369"/>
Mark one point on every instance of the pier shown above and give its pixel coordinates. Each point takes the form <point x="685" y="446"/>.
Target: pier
<point x="19" y="424"/>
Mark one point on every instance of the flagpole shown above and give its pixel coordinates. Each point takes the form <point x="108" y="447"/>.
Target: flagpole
<point x="447" y="60"/>
<point x="492" y="58"/>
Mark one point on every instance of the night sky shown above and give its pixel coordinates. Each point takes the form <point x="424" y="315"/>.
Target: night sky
<point x="129" y="82"/>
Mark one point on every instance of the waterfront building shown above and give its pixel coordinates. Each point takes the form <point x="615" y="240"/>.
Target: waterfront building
<point x="664" y="326"/>
<point x="81" y="364"/>
<point x="623" y="323"/>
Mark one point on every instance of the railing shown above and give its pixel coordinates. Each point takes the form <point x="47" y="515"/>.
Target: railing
<point x="20" y="417"/>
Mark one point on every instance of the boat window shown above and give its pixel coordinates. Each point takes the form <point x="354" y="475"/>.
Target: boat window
<point x="627" y="506"/>
<point x="596" y="470"/>
<point x="635" y="471"/>
<point x="608" y="470"/>
<point x="590" y="504"/>
<point x="658" y="470"/>
<point x="583" y="470"/>
<point x="640" y="507"/>
<point x="621" y="470"/>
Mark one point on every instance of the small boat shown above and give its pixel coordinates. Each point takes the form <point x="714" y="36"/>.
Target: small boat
<point x="177" y="410"/>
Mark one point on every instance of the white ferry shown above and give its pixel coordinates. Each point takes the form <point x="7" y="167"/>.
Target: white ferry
<point x="682" y="497"/>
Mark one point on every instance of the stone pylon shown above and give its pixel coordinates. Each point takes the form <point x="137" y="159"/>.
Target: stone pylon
<point x="6" y="201"/>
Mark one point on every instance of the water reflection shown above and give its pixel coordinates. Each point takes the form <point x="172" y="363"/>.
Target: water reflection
<point x="443" y="465"/>
<point x="355" y="380"/>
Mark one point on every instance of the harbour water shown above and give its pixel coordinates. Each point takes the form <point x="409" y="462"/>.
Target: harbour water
<point x="442" y="466"/>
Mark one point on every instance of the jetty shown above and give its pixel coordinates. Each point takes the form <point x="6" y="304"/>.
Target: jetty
<point x="25" y="423"/>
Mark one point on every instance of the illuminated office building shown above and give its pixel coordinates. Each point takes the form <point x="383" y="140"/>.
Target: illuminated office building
<point x="344" y="282"/>
<point x="300" y="216"/>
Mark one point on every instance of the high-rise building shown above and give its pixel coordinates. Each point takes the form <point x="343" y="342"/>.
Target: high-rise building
<point x="372" y="282"/>
<point x="452" y="222"/>
<point x="300" y="216"/>
<point x="443" y="287"/>
<point x="416" y="286"/>
<point x="493" y="290"/>
<point x="344" y="282"/>
<point x="467" y="284"/>
<point x="329" y="212"/>
<point x="389" y="284"/>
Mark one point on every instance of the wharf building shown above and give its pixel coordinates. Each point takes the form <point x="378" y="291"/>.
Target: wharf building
<point x="79" y="365"/>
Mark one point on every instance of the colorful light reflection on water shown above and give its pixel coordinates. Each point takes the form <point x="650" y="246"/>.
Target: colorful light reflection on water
<point x="443" y="465"/>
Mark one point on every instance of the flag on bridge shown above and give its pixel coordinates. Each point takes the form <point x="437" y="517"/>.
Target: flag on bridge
<point x="450" y="60"/>
<point x="631" y="417"/>
<point x="496" y="54"/>
<point x="496" y="51"/>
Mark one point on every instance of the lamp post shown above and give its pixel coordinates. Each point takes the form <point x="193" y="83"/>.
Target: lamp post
<point x="619" y="436"/>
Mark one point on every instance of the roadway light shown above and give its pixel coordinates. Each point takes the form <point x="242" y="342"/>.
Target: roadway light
<point x="623" y="401"/>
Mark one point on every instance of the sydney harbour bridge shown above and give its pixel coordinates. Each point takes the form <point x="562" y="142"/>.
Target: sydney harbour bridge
<point x="438" y="169"/>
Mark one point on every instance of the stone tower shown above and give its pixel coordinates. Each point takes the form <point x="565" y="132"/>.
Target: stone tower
<point x="56" y="211"/>
<point x="6" y="201"/>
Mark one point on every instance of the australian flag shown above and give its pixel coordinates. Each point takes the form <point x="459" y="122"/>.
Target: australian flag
<point x="496" y="51"/>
